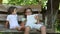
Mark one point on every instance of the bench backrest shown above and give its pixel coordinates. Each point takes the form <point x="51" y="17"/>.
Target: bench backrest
<point x="4" y="12"/>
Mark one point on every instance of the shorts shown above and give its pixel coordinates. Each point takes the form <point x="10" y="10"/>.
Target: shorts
<point x="34" y="26"/>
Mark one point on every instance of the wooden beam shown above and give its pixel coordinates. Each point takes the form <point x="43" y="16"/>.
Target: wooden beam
<point x="4" y="16"/>
<point x="20" y="8"/>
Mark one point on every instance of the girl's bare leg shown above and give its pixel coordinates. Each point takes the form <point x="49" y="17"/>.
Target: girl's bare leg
<point x="19" y="28"/>
<point x="43" y="30"/>
<point x="27" y="30"/>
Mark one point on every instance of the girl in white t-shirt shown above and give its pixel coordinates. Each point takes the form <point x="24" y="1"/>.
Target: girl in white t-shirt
<point x="32" y="22"/>
<point x="12" y="19"/>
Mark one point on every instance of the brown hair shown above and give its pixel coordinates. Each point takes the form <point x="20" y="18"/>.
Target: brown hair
<point x="11" y="9"/>
<point x="25" y="11"/>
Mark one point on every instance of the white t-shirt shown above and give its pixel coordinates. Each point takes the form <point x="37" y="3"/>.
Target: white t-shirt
<point x="31" y="19"/>
<point x="13" y="21"/>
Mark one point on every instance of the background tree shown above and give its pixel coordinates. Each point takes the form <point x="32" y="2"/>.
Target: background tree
<point x="0" y="1"/>
<point x="28" y="2"/>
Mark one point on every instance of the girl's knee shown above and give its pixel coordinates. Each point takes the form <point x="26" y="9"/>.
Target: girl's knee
<point x="43" y="27"/>
<point x="27" y="28"/>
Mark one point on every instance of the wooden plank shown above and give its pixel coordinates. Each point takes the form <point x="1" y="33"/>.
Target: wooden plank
<point x="3" y="8"/>
<point x="4" y="16"/>
<point x="20" y="8"/>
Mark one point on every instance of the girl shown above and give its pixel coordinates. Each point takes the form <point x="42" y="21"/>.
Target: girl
<point x="30" y="25"/>
<point x="12" y="19"/>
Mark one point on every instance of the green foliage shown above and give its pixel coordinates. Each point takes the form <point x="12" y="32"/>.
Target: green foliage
<point x="27" y="2"/>
<point x="43" y="2"/>
<point x="57" y="25"/>
<point x="1" y="33"/>
<point x="22" y="2"/>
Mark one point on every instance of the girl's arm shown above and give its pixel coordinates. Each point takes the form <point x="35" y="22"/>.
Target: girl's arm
<point x="37" y="18"/>
<point x="6" y="24"/>
<point x="22" y="24"/>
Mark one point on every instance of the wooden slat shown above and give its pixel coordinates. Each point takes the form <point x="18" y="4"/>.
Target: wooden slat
<point x="4" y="16"/>
<point x="21" y="8"/>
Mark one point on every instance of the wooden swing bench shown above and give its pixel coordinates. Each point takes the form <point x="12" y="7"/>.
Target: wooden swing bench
<point x="4" y="13"/>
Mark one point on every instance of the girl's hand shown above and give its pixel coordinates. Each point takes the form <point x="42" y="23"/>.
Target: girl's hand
<point x="36" y="17"/>
<point x="6" y="24"/>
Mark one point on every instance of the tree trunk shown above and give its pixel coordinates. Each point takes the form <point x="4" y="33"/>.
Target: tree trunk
<point x="52" y="10"/>
<point x="1" y="1"/>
